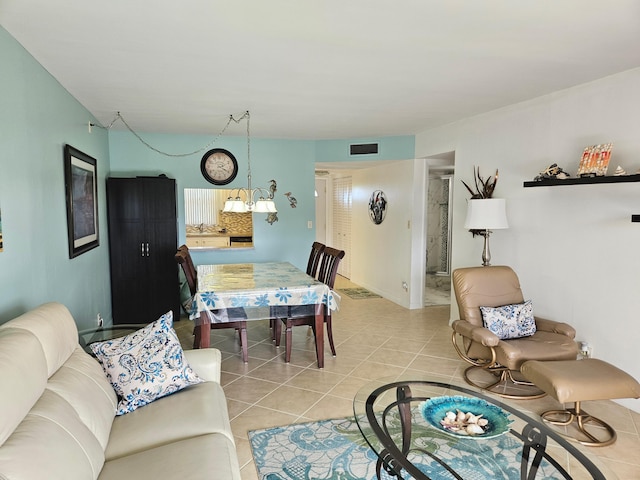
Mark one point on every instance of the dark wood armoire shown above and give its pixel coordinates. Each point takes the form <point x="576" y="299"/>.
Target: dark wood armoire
<point x="142" y="245"/>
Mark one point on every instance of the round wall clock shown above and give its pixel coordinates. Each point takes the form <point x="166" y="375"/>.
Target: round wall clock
<point x="377" y="206"/>
<point x="219" y="166"/>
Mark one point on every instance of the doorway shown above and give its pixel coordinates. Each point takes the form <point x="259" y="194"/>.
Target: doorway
<point x="438" y="264"/>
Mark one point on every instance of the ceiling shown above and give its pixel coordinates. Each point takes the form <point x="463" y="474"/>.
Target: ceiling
<point x="319" y="69"/>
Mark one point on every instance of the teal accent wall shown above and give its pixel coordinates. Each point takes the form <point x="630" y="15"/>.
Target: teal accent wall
<point x="389" y="148"/>
<point x="289" y="162"/>
<point x="37" y="117"/>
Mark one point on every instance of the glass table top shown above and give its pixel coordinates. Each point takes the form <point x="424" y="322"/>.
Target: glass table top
<point x="396" y="418"/>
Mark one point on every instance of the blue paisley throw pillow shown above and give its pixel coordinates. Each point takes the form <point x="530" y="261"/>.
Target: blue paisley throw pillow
<point x="510" y="321"/>
<point x="145" y="365"/>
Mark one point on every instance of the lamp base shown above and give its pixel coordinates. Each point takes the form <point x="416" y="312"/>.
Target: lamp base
<point x="486" y="253"/>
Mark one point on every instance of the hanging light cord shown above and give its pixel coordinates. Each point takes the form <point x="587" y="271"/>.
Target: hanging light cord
<point x="206" y="147"/>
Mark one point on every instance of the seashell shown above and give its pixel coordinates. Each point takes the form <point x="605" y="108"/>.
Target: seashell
<point x="472" y="418"/>
<point x="619" y="171"/>
<point x="464" y="423"/>
<point x="473" y="429"/>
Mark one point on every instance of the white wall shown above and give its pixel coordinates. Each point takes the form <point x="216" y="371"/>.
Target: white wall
<point x="380" y="257"/>
<point x="574" y="247"/>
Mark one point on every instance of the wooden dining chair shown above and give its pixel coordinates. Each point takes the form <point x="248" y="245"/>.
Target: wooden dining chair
<point x="237" y="316"/>
<point x="305" y="314"/>
<point x="312" y="269"/>
<point x="314" y="258"/>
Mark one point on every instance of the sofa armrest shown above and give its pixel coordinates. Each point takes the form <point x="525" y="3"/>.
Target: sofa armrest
<point x="547" y="325"/>
<point x="205" y="362"/>
<point x="478" y="334"/>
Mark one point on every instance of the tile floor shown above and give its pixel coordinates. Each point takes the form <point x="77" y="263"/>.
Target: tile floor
<point x="436" y="296"/>
<point x="374" y="338"/>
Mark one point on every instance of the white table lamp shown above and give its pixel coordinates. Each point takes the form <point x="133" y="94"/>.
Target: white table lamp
<point x="486" y="214"/>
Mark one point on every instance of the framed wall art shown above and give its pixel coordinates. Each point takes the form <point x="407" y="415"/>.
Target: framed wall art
<point x="81" y="187"/>
<point x="377" y="206"/>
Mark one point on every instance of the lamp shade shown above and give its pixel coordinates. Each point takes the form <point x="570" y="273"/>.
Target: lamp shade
<point x="236" y="206"/>
<point x="486" y="214"/>
<point x="265" y="206"/>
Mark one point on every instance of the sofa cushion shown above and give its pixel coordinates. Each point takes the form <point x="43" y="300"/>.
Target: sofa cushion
<point x="23" y="372"/>
<point x="510" y="321"/>
<point x="145" y="365"/>
<point x="54" y="327"/>
<point x="51" y="442"/>
<point x="194" y="411"/>
<point x="83" y="384"/>
<point x="208" y="457"/>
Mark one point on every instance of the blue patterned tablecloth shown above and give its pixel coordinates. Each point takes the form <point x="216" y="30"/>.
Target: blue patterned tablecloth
<point x="255" y="285"/>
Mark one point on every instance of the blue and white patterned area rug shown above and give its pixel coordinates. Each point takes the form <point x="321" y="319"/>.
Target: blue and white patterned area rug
<point x="336" y="450"/>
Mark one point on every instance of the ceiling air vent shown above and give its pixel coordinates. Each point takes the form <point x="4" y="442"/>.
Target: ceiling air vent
<point x="364" y="149"/>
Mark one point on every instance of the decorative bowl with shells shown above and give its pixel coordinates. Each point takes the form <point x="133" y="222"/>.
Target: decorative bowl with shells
<point x="465" y="417"/>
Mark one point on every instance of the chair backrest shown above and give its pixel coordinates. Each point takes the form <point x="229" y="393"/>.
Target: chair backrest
<point x="329" y="265"/>
<point x="183" y="257"/>
<point x="491" y="286"/>
<point x="314" y="258"/>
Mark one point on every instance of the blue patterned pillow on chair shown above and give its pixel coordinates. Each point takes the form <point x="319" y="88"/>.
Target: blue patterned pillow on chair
<point x="145" y="365"/>
<point x="510" y="321"/>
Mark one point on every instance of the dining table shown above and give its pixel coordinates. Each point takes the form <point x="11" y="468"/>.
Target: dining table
<point x="257" y="287"/>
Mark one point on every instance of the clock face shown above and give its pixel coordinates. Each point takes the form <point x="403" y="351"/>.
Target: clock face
<point x="219" y="166"/>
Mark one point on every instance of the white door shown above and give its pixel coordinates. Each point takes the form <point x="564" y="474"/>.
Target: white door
<point x="342" y="222"/>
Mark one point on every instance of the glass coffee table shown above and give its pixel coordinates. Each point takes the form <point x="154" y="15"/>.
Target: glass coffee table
<point x="400" y="419"/>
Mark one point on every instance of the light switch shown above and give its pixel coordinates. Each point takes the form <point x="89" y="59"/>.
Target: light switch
<point x="309" y="224"/>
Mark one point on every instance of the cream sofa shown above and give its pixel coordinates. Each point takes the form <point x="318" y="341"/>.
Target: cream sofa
<point x="58" y="420"/>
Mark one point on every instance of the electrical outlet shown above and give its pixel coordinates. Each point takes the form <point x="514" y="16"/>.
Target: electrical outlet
<point x="405" y="286"/>
<point x="586" y="350"/>
<point x="99" y="320"/>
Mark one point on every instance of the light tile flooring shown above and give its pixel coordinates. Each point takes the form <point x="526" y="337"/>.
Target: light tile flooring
<point x="374" y="338"/>
<point x="436" y="296"/>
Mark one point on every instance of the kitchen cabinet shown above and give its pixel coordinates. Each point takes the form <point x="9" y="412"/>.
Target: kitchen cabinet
<point x="142" y="225"/>
<point x="207" y="241"/>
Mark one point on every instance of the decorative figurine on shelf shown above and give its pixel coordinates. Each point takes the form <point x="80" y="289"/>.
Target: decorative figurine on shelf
<point x="552" y="171"/>
<point x="620" y="172"/>
<point x="595" y="160"/>
<point x="292" y="200"/>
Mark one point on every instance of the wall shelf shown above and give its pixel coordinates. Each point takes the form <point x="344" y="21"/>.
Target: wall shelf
<point x="552" y="182"/>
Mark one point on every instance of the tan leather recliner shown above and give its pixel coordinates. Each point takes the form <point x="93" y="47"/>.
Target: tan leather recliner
<point x="495" y="363"/>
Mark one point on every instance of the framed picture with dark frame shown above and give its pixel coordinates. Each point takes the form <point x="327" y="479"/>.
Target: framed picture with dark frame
<point x="81" y="187"/>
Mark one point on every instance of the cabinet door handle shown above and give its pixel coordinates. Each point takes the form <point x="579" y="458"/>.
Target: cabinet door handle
<point x="147" y="249"/>
<point x="142" y="249"/>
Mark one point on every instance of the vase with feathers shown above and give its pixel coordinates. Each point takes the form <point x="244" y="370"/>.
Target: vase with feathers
<point x="483" y="189"/>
